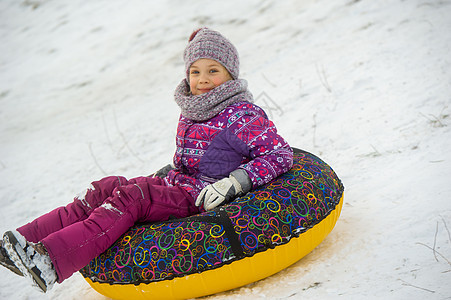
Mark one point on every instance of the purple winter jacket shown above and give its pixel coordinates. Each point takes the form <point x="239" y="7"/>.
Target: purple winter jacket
<point x="239" y="137"/>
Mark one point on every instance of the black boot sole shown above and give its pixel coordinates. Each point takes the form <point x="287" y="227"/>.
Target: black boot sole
<point x="13" y="247"/>
<point x="8" y="263"/>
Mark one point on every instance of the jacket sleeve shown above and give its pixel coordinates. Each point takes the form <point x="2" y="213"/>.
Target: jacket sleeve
<point x="269" y="154"/>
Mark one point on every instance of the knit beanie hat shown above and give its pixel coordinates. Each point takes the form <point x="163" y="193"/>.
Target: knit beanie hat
<point x="207" y="43"/>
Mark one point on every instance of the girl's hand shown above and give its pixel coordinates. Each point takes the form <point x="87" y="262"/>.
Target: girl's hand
<point x="222" y="191"/>
<point x="163" y="172"/>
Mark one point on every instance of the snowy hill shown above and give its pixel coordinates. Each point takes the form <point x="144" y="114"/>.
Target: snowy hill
<point x="86" y="90"/>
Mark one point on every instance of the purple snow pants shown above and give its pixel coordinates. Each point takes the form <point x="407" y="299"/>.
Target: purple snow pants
<point x="75" y="234"/>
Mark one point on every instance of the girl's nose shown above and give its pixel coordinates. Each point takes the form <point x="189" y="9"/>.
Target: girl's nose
<point x="203" y="78"/>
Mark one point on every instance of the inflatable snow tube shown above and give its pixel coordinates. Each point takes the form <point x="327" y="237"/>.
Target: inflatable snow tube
<point x="249" y="239"/>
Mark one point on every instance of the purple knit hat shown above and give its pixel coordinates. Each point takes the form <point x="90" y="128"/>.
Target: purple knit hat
<point x="207" y="43"/>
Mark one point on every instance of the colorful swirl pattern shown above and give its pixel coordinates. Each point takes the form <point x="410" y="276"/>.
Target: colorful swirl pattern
<point x="264" y="218"/>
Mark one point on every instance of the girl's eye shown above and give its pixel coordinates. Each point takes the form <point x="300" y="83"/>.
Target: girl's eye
<point x="194" y="72"/>
<point x="213" y="71"/>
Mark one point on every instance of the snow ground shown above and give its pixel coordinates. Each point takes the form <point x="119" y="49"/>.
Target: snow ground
<point x="86" y="91"/>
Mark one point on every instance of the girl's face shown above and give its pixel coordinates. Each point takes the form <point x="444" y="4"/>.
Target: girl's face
<point x="205" y="74"/>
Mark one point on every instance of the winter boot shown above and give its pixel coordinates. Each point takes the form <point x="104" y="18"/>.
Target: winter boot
<point x="31" y="259"/>
<point x="7" y="262"/>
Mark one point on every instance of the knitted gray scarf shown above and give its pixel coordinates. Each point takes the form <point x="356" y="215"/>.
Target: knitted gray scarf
<point x="206" y="106"/>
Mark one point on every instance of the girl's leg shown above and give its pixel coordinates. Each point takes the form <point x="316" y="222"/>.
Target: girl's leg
<point x="143" y="199"/>
<point x="76" y="211"/>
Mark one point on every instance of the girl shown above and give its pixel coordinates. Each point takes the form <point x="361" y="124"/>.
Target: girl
<point x="226" y="146"/>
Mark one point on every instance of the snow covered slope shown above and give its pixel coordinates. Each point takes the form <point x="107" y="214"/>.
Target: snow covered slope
<point x="86" y="91"/>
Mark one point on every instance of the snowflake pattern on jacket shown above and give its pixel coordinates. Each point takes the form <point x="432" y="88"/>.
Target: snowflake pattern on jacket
<point x="240" y="136"/>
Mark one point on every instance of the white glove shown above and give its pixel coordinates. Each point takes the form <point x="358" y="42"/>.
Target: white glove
<point x="222" y="191"/>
